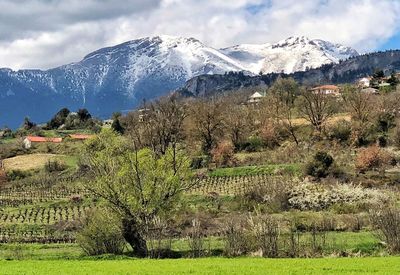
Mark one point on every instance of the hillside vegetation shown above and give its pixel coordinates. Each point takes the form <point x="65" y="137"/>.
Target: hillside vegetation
<point x="297" y="174"/>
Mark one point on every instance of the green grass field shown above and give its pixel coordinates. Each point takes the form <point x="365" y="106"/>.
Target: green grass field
<point x="383" y="265"/>
<point x="257" y="170"/>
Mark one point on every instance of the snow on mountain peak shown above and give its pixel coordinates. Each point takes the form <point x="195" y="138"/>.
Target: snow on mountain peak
<point x="296" y="53"/>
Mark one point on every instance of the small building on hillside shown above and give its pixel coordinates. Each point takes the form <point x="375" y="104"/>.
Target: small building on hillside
<point x="364" y="82"/>
<point x="255" y="98"/>
<point x="80" y="136"/>
<point x="29" y="140"/>
<point x="107" y="122"/>
<point x="327" y="90"/>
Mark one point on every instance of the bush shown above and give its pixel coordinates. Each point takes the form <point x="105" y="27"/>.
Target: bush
<point x="17" y="174"/>
<point x="265" y="230"/>
<point x="273" y="195"/>
<point x="319" y="165"/>
<point x="270" y="135"/>
<point x="253" y="144"/>
<point x="236" y="243"/>
<point x="54" y="166"/>
<point x="370" y="158"/>
<point x="341" y="131"/>
<point x="101" y="234"/>
<point x="387" y="221"/>
<point x="199" y="162"/>
<point x="396" y="135"/>
<point x="223" y="155"/>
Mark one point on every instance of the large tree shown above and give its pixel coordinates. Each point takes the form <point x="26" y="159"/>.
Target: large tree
<point x="158" y="125"/>
<point x="317" y="108"/>
<point x="207" y="123"/>
<point x="137" y="184"/>
<point x="280" y="104"/>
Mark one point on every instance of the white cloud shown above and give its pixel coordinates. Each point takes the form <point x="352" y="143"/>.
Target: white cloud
<point x="56" y="32"/>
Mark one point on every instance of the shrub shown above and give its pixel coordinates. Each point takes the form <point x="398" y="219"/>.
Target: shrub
<point x="319" y="165"/>
<point x="396" y="135"/>
<point x="270" y="135"/>
<point x="265" y="230"/>
<point x="54" y="166"/>
<point x="199" y="162"/>
<point x="273" y="194"/>
<point x="17" y="174"/>
<point x="196" y="239"/>
<point x="101" y="234"/>
<point x="341" y="131"/>
<point x="370" y="158"/>
<point x="236" y="243"/>
<point x="223" y="155"/>
<point x="253" y="144"/>
<point x="387" y="221"/>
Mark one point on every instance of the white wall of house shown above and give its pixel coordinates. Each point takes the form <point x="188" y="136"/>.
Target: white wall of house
<point x="27" y="143"/>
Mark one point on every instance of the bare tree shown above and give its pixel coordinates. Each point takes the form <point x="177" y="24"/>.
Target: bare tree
<point x="280" y="102"/>
<point x="158" y="125"/>
<point x="239" y="123"/>
<point x="317" y="108"/>
<point x="207" y="123"/>
<point x="359" y="104"/>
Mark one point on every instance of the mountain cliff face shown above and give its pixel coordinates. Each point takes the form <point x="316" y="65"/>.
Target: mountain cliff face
<point x="118" y="78"/>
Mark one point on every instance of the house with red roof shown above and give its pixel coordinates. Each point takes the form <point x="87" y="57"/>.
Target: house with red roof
<point x="327" y="90"/>
<point x="29" y="140"/>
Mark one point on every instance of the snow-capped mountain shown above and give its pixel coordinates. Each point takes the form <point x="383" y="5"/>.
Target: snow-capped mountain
<point x="288" y="56"/>
<point x="118" y="78"/>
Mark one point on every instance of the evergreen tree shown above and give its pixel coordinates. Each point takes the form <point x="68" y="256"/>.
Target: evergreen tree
<point x="116" y="125"/>
<point x="84" y="115"/>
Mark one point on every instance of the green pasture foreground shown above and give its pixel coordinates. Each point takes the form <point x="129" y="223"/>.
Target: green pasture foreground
<point x="383" y="265"/>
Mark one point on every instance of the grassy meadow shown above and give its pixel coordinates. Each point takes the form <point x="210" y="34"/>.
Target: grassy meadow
<point x="220" y="266"/>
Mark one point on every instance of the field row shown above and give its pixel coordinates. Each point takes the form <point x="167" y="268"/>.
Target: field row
<point x="43" y="215"/>
<point x="36" y="236"/>
<point x="234" y="185"/>
<point x="16" y="198"/>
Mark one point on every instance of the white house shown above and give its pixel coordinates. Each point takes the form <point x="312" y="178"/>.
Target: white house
<point x="327" y="90"/>
<point x="364" y="82"/>
<point x="255" y="98"/>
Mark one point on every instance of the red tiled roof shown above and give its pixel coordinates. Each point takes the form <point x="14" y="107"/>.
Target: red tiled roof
<point x="43" y="139"/>
<point x="326" y="87"/>
<point x="81" y="136"/>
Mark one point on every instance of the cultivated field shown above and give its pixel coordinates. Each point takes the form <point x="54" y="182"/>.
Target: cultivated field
<point x="29" y="162"/>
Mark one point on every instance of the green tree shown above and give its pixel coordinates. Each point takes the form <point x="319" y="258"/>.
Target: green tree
<point x="58" y="119"/>
<point x="84" y="115"/>
<point x="393" y="80"/>
<point x="137" y="184"/>
<point x="116" y="124"/>
<point x="28" y="124"/>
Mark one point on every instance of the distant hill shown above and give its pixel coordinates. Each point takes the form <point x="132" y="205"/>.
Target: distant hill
<point x="347" y="71"/>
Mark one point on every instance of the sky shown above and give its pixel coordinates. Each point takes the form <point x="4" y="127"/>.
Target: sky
<point x="47" y="33"/>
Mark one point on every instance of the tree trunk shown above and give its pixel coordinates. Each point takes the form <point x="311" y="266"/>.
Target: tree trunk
<point x="133" y="237"/>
